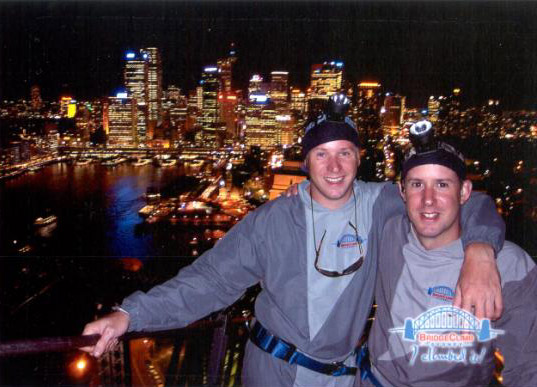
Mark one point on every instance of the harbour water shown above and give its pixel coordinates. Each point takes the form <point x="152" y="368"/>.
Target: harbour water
<point x="96" y="206"/>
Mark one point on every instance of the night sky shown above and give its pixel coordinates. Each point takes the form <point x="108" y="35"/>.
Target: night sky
<point x="489" y="49"/>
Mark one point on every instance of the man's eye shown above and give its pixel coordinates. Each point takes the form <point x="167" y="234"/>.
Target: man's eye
<point x="415" y="184"/>
<point x="443" y="185"/>
<point x="345" y="153"/>
<point x="320" y="154"/>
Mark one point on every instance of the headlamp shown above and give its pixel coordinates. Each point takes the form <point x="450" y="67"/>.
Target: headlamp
<point x="331" y="125"/>
<point x="421" y="136"/>
<point x="427" y="150"/>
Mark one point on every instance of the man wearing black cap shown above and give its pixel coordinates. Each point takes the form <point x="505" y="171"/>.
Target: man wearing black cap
<point x="418" y="338"/>
<point x="315" y="256"/>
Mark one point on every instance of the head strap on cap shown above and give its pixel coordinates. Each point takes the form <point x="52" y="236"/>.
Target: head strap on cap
<point x="427" y="150"/>
<point x="331" y="125"/>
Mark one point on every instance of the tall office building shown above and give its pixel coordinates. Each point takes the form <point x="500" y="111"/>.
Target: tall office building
<point x="66" y="104"/>
<point x="143" y="80"/>
<point x="227" y="106"/>
<point x="256" y="85"/>
<point x="433" y="108"/>
<point x="391" y="114"/>
<point x="279" y="88"/>
<point x="210" y="86"/>
<point x="212" y="128"/>
<point x="367" y="107"/>
<point x="173" y="93"/>
<point x="199" y="98"/>
<point x="260" y="121"/>
<point x="154" y="83"/>
<point x="135" y="76"/>
<point x="326" y="79"/>
<point x="449" y="113"/>
<point x="286" y="133"/>
<point x="225" y="68"/>
<point x="122" y="118"/>
<point x="298" y="101"/>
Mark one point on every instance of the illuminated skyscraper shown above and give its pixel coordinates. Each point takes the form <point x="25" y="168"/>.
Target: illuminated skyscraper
<point x="279" y="88"/>
<point x="433" y="107"/>
<point x="67" y="107"/>
<point x="449" y="114"/>
<point x="210" y="85"/>
<point x="256" y="85"/>
<point x="391" y="114"/>
<point x="326" y="79"/>
<point x="173" y="93"/>
<point x="199" y="98"/>
<point x="368" y="104"/>
<point x="225" y="68"/>
<point x="298" y="100"/>
<point x="261" y="127"/>
<point x="286" y="134"/>
<point x="143" y="80"/>
<point x="154" y="83"/>
<point x="227" y="105"/>
<point x="210" y="117"/>
<point x="135" y="76"/>
<point x="122" y="118"/>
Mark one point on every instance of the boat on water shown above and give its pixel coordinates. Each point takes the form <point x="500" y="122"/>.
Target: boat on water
<point x="113" y="162"/>
<point x="168" y="163"/>
<point x="142" y="162"/>
<point x="164" y="162"/>
<point x="83" y="162"/>
<point x="34" y="168"/>
<point x="41" y="222"/>
<point x="152" y="193"/>
<point x="147" y="210"/>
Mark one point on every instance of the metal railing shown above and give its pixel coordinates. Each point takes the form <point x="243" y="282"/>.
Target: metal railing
<point x="215" y="350"/>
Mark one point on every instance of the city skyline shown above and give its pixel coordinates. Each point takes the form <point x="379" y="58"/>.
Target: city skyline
<point x="416" y="49"/>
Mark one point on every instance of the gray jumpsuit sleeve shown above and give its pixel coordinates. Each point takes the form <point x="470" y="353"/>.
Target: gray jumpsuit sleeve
<point x="518" y="344"/>
<point x="215" y="280"/>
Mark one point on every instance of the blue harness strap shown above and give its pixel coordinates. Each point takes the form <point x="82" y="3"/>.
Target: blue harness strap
<point x="363" y="361"/>
<point x="281" y="349"/>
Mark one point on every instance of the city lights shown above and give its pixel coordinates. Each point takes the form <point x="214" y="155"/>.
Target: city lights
<point x="135" y="158"/>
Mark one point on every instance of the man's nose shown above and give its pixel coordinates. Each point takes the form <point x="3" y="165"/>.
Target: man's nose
<point x="334" y="164"/>
<point x="428" y="196"/>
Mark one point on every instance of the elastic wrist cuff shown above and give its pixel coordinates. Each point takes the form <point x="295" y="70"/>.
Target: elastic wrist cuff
<point x="120" y="309"/>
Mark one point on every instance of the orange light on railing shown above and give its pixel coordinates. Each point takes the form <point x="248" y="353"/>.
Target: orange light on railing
<point x="79" y="367"/>
<point x="81" y="364"/>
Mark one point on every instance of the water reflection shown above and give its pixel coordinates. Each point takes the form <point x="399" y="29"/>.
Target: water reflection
<point x="97" y="209"/>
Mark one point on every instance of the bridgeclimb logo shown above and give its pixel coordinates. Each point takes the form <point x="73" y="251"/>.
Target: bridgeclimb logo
<point x="447" y="334"/>
<point x="348" y="241"/>
<point x="444" y="293"/>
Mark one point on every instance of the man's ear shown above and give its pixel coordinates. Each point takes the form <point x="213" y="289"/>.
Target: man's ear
<point x="401" y="186"/>
<point x="466" y="190"/>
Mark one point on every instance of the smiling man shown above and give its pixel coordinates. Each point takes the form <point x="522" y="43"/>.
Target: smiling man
<point x="418" y="338"/>
<point x="315" y="256"/>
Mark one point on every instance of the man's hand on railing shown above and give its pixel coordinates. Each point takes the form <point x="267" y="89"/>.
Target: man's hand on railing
<point x="110" y="327"/>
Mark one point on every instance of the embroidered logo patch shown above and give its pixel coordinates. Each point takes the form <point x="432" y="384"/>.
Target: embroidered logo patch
<point x="347" y="241"/>
<point x="447" y="334"/>
<point x="443" y="293"/>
